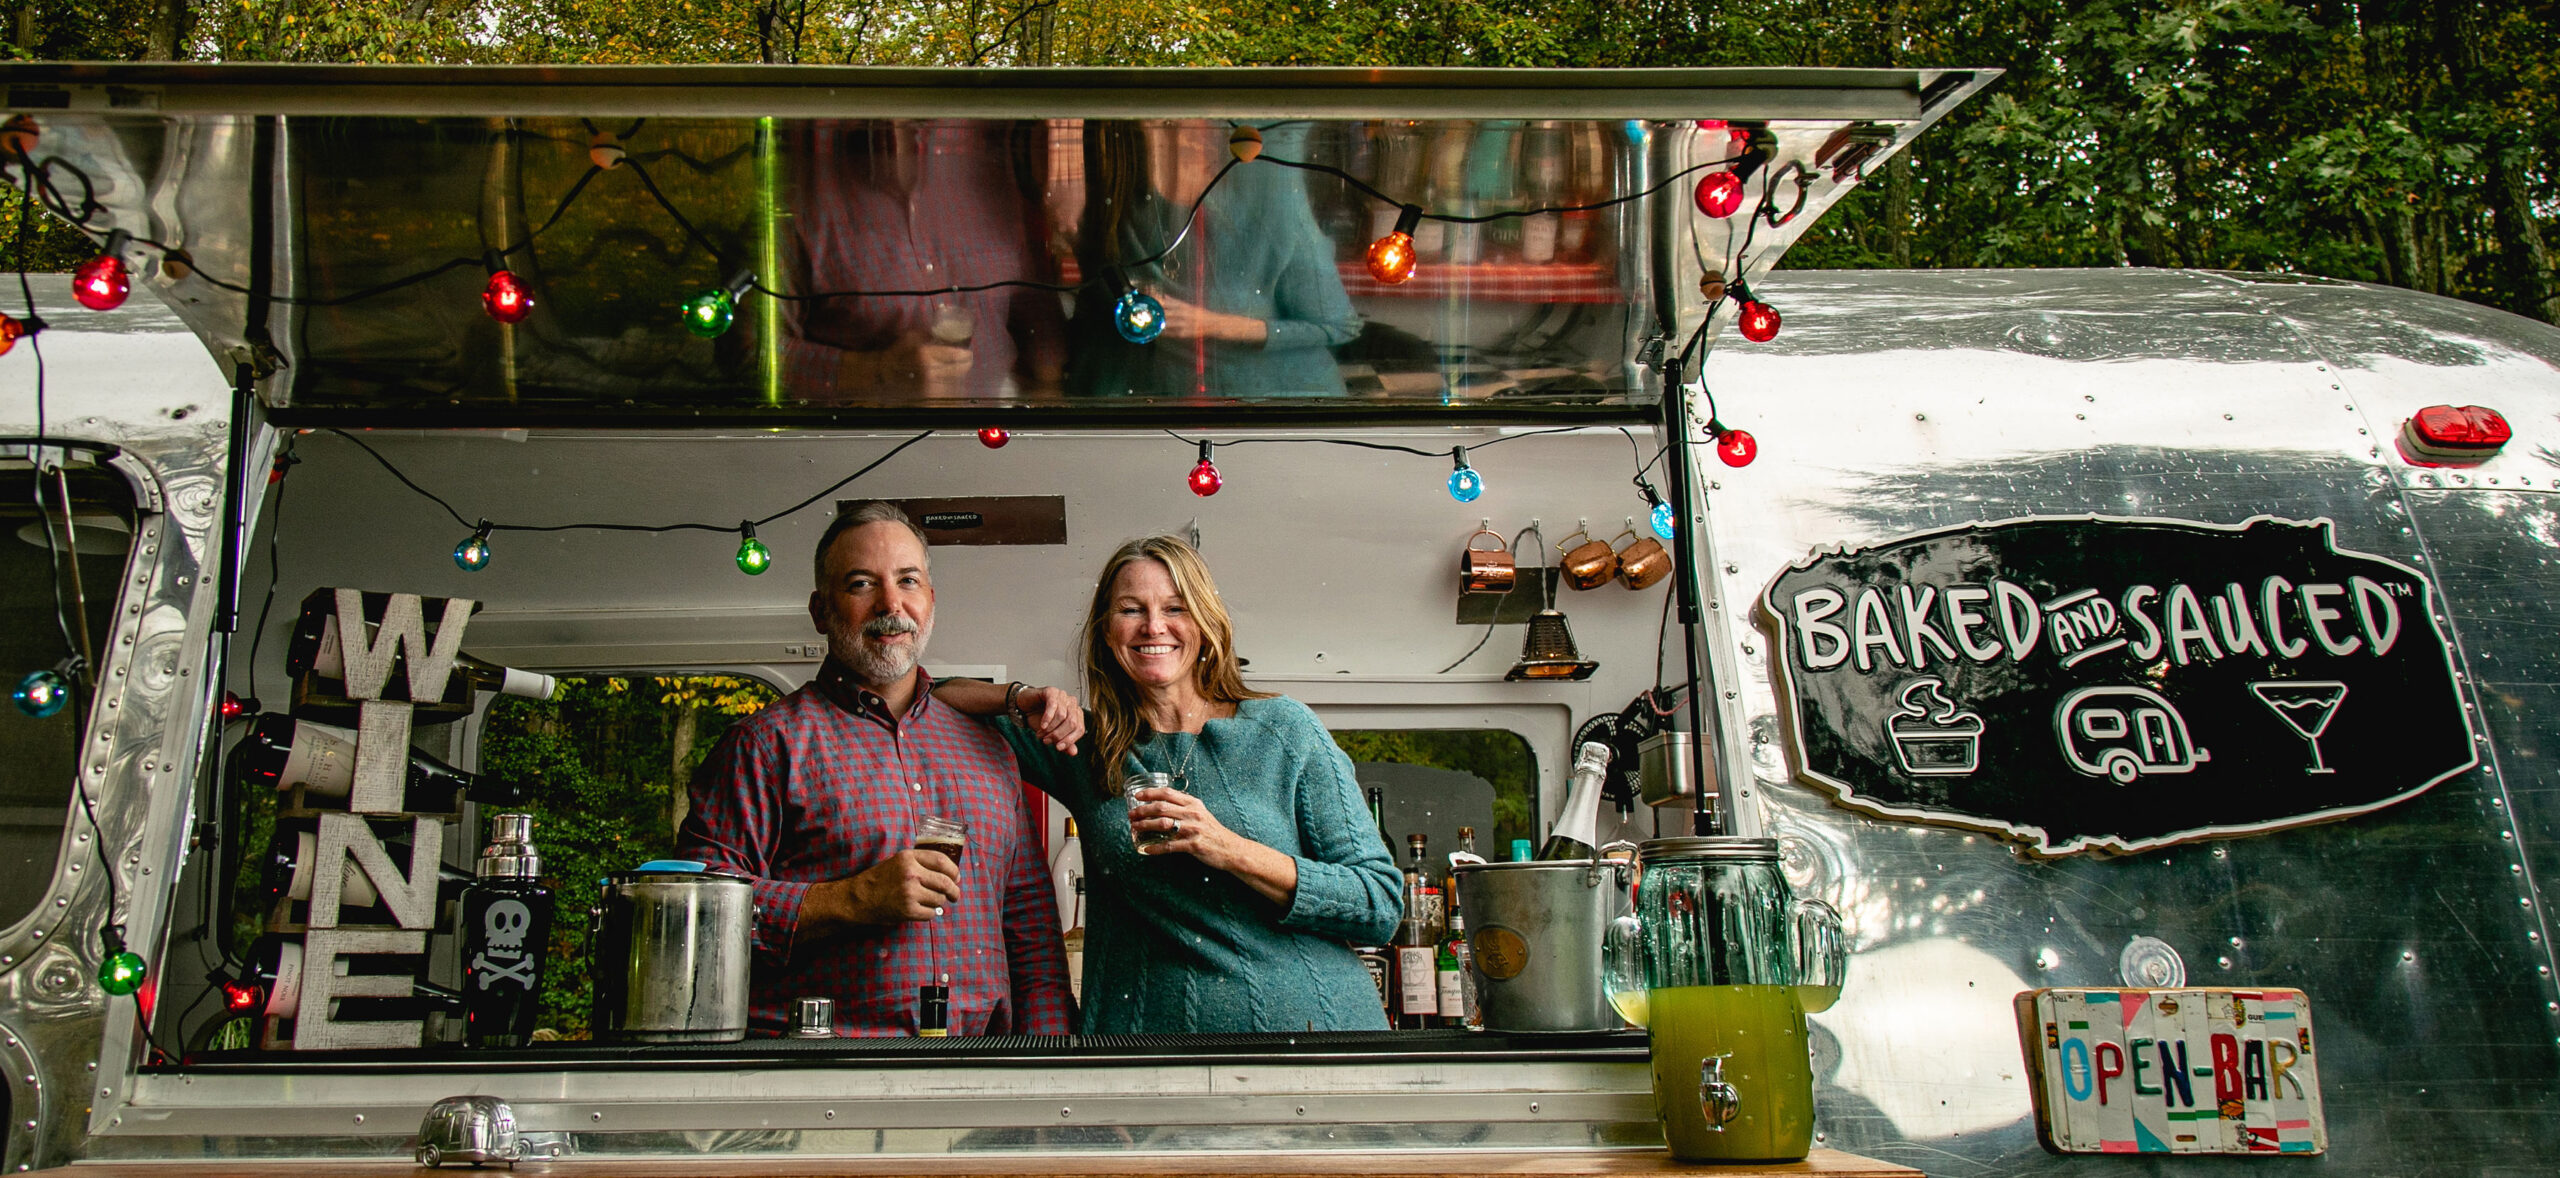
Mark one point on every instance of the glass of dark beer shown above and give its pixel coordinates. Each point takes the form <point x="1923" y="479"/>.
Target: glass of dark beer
<point x="947" y="835"/>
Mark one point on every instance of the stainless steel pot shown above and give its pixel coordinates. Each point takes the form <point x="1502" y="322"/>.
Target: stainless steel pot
<point x="1534" y="932"/>
<point x="671" y="955"/>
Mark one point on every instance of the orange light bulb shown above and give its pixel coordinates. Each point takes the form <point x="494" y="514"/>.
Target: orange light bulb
<point x="1391" y="257"/>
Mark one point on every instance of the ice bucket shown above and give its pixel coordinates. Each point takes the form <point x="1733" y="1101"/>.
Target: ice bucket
<point x="1534" y="932"/>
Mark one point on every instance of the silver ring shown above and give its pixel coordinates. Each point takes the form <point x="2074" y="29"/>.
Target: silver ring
<point x="1177" y="827"/>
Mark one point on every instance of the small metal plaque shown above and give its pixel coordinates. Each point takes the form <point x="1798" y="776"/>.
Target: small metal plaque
<point x="985" y="519"/>
<point x="2173" y="1071"/>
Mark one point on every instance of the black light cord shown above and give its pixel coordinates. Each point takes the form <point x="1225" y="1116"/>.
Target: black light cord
<point x="737" y="528"/>
<point x="1372" y="192"/>
<point x="1451" y="452"/>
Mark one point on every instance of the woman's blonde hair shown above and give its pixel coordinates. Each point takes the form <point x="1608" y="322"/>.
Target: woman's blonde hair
<point x="1220" y="677"/>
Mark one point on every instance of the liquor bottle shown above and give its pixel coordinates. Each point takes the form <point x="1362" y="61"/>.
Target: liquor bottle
<point x="1073" y="938"/>
<point x="1465" y="854"/>
<point x="283" y="752"/>
<point x="1544" y="159"/>
<point x="1457" y="984"/>
<point x="506" y="935"/>
<point x="1577" y="830"/>
<point x="1378" y="814"/>
<point x="1380" y="961"/>
<point x="1417" y="983"/>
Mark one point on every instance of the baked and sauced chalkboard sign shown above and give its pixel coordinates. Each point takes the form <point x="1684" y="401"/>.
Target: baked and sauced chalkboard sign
<point x="2116" y="683"/>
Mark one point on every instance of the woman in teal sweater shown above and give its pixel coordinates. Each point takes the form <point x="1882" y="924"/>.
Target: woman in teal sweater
<point x="1268" y="867"/>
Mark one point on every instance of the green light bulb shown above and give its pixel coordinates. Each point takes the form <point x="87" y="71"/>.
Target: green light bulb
<point x="710" y="312"/>
<point x="121" y="973"/>
<point x="753" y="557"/>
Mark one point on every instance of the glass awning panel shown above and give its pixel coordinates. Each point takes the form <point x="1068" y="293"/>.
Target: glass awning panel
<point x="742" y="243"/>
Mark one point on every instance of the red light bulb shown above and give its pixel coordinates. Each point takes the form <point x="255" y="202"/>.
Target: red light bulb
<point x="1759" y="322"/>
<point x="239" y="997"/>
<point x="1391" y="257"/>
<point x="993" y="437"/>
<point x="1719" y="194"/>
<point x="1204" y="475"/>
<point x="506" y="299"/>
<point x="10" y="332"/>
<point x="1737" y="447"/>
<point x="101" y="283"/>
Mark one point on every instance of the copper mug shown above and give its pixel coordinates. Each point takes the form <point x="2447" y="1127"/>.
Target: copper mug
<point x="1643" y="563"/>
<point x="1590" y="564"/>
<point x="1487" y="570"/>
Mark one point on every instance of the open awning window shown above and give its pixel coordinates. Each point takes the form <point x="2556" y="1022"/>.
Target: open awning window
<point x="504" y="245"/>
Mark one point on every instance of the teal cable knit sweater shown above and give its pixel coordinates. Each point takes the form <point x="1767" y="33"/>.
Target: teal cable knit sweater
<point x="1171" y="946"/>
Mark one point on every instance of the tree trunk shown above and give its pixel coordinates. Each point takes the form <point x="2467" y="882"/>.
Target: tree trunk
<point x="2526" y="255"/>
<point x="681" y="750"/>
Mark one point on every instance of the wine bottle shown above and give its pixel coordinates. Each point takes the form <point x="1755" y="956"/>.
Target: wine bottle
<point x="282" y="752"/>
<point x="1066" y="868"/>
<point x="285" y="870"/>
<point x="1073" y="939"/>
<point x="1577" y="831"/>
<point x="1417" y="981"/>
<point x="506" y="936"/>
<point x="1378" y="814"/>
<point x="316" y="658"/>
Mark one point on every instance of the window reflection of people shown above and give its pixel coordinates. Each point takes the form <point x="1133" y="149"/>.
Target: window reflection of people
<point x="1253" y="304"/>
<point x="1238" y="920"/>
<point x="920" y="205"/>
<point x="818" y="797"/>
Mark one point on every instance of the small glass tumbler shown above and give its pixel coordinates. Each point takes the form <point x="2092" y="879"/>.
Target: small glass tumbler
<point x="1129" y="787"/>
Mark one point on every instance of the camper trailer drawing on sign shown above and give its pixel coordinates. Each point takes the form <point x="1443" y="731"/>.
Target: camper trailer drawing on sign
<point x="2121" y="733"/>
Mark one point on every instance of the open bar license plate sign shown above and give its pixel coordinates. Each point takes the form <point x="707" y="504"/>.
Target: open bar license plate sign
<point x="2085" y="682"/>
<point x="2173" y="1071"/>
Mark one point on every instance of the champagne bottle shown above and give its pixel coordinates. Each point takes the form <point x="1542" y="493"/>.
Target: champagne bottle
<point x="1417" y="981"/>
<point x="282" y="752"/>
<point x="1577" y="831"/>
<point x="506" y="937"/>
<point x="1066" y="869"/>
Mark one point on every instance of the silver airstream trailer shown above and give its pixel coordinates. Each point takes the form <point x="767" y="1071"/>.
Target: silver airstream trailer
<point x="1881" y="628"/>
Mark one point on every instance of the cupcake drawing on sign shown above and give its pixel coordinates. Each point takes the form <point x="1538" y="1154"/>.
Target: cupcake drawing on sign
<point x="1930" y="736"/>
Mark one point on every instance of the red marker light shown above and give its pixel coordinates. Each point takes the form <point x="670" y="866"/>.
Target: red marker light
<point x="235" y="706"/>
<point x="993" y="437"/>
<point x="11" y="331"/>
<point x="2454" y="433"/>
<point x="1719" y="194"/>
<point x="506" y="299"/>
<point x="1737" y="447"/>
<point x="1759" y="322"/>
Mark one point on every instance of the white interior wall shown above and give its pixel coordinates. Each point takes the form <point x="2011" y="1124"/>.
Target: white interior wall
<point x="1339" y="564"/>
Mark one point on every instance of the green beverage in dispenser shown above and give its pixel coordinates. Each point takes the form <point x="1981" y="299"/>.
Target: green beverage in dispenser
<point x="1731" y="1073"/>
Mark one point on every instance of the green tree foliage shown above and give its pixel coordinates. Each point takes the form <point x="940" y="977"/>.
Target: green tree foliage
<point x="1502" y="758"/>
<point x="2400" y="141"/>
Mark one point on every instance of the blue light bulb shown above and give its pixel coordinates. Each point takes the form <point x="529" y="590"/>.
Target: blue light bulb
<point x="1662" y="521"/>
<point x="41" y="694"/>
<point x="473" y="553"/>
<point x="1464" y="483"/>
<point x="1139" y="317"/>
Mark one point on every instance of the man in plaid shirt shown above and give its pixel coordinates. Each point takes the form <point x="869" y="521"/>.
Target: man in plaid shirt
<point x="817" y="799"/>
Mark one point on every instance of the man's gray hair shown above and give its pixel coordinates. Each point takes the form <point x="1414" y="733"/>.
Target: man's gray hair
<point x="877" y="511"/>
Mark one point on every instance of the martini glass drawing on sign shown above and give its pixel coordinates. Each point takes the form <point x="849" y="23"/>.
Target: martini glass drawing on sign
<point x="2306" y="706"/>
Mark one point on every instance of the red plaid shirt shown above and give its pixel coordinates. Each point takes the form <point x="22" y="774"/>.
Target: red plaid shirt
<point x="826" y="783"/>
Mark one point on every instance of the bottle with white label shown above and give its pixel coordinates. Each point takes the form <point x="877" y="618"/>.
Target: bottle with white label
<point x="506" y="933"/>
<point x="1073" y="939"/>
<point x="1417" y="951"/>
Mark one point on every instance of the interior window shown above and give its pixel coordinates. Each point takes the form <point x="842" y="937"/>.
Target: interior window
<point x="1433" y="781"/>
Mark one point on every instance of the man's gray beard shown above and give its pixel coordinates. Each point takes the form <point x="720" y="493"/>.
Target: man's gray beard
<point x="876" y="666"/>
